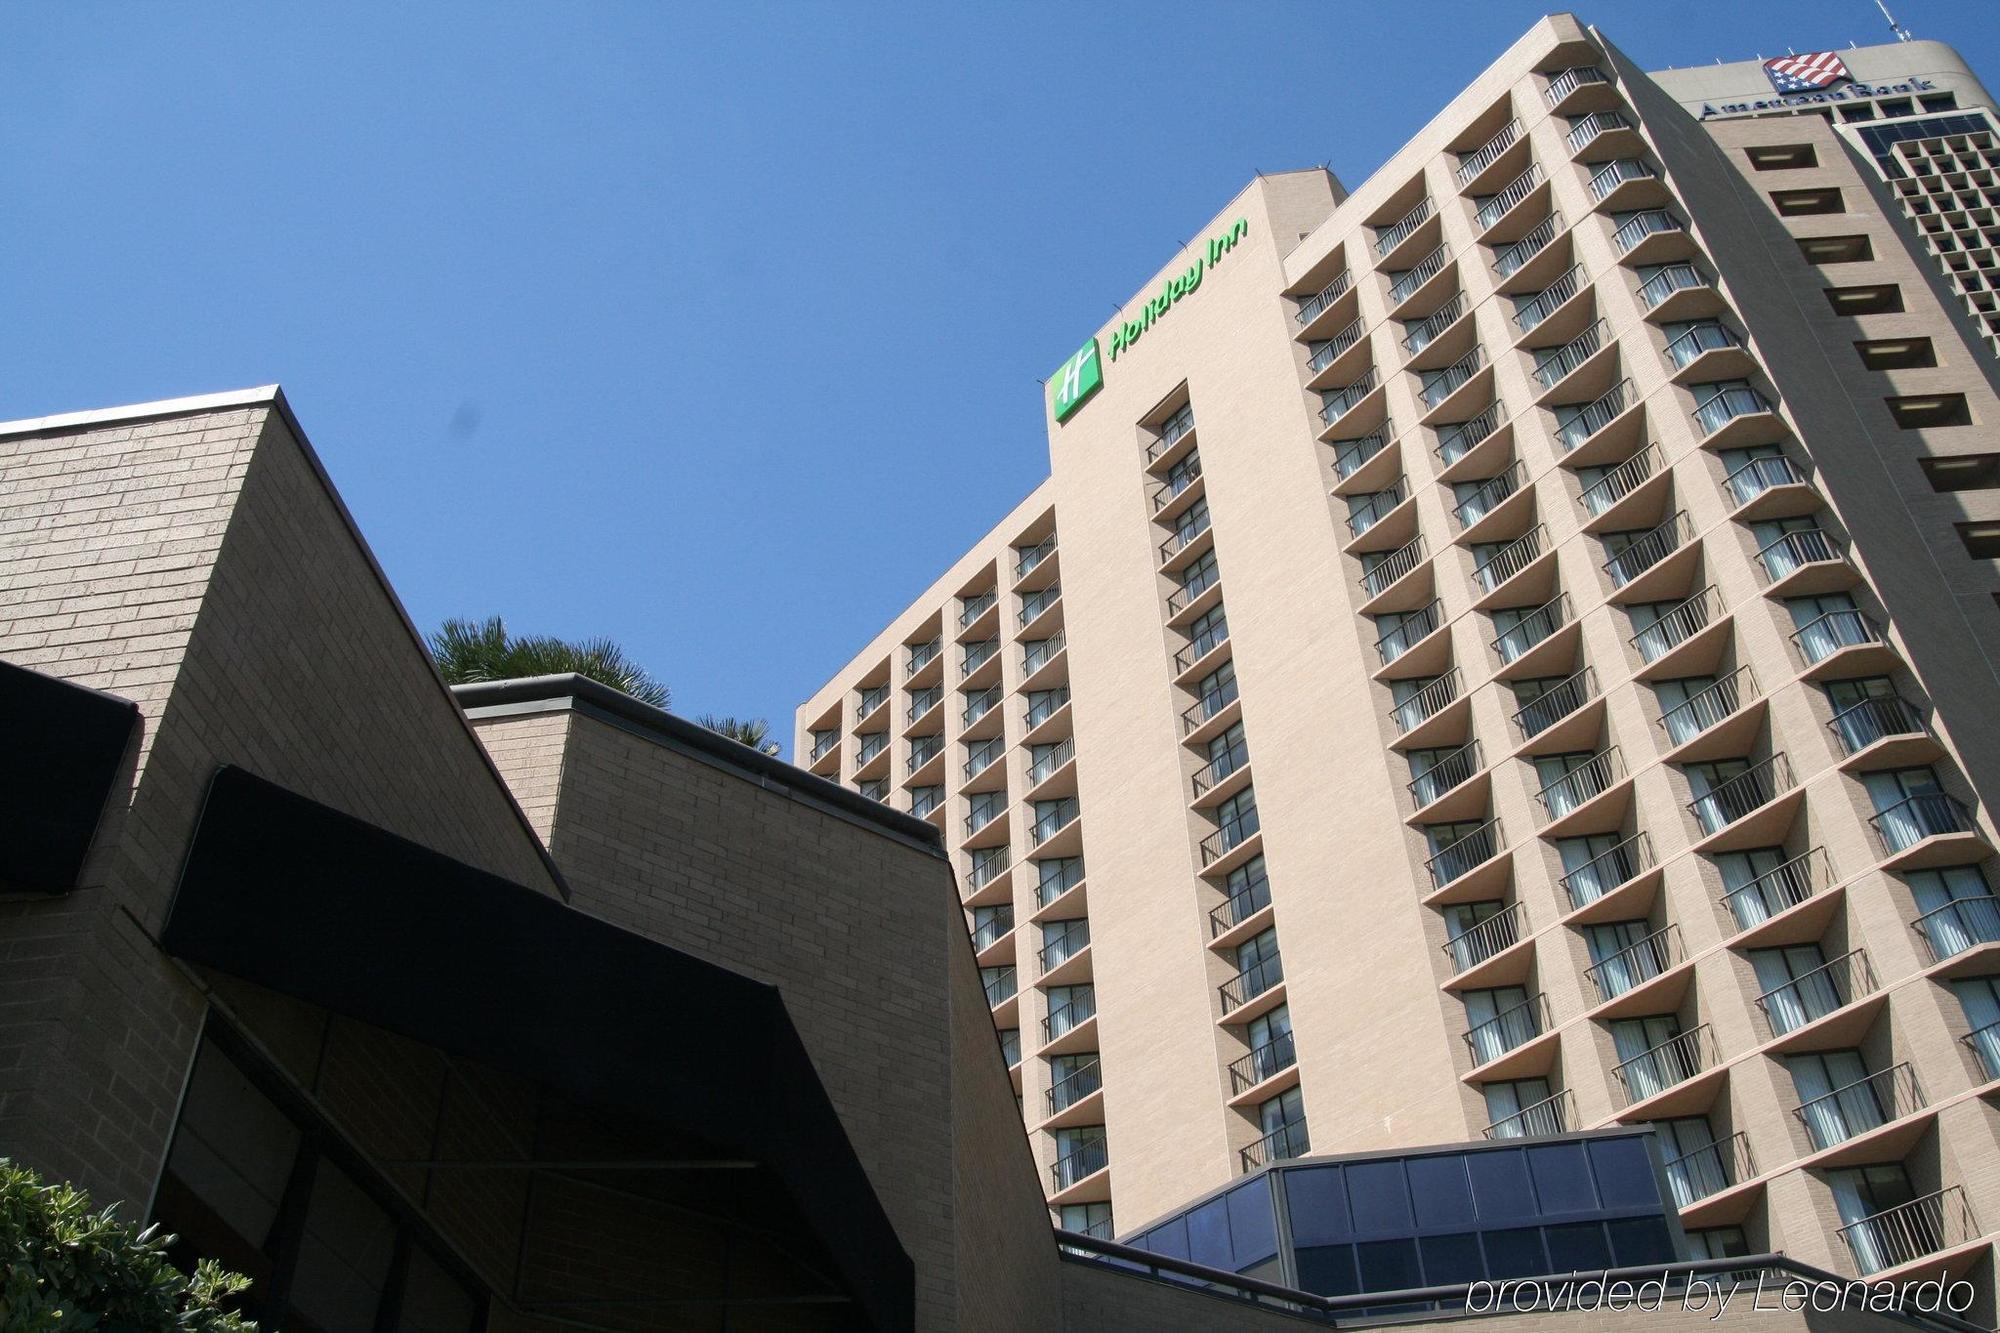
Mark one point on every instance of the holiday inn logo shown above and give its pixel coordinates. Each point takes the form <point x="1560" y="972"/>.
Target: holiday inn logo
<point x="1080" y="376"/>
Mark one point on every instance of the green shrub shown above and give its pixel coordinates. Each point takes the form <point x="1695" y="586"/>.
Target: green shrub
<point x="64" y="1267"/>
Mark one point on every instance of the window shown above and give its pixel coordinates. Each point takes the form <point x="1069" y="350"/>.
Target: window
<point x="1521" y="1107"/>
<point x="1862" y="1194"/>
<point x="1979" y="997"/>
<point x="1956" y="909"/>
<point x="1962" y="472"/>
<point x="1896" y="106"/>
<point x="1069" y="1006"/>
<point x="1797" y="985"/>
<point x="1055" y="876"/>
<point x="1080" y="1152"/>
<point x="1835" y="249"/>
<point x="1782" y="157"/>
<point x="1089" y="1219"/>
<point x="1717" y="1243"/>
<point x="1939" y="102"/>
<point x="876" y="790"/>
<point x="1498" y="1020"/>
<point x="1879" y="299"/>
<point x="1896" y="353"/>
<point x="1918" y="411"/>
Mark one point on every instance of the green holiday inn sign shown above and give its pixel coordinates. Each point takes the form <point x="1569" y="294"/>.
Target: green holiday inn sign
<point x="1078" y="378"/>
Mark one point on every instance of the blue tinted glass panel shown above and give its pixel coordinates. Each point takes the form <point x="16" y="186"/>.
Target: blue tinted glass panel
<point x="1389" y="1265"/>
<point x="1328" y="1270"/>
<point x="1578" y="1245"/>
<point x="1514" y="1253"/>
<point x="1562" y="1178"/>
<point x="1441" y="1191"/>
<point x="1208" y="1234"/>
<point x="1451" y="1259"/>
<point x="1500" y="1185"/>
<point x="1638" y="1241"/>
<point x="1625" y="1176"/>
<point x="1252" y="1224"/>
<point x="1318" y="1202"/>
<point x="1380" y="1198"/>
<point x="1169" y="1238"/>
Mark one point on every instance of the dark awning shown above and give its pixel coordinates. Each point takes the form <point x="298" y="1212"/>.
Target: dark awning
<point x="289" y="894"/>
<point x="64" y="745"/>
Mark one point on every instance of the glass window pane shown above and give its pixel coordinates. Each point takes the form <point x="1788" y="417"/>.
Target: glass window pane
<point x="1625" y="1176"/>
<point x="1328" y="1270"/>
<point x="1450" y="1259"/>
<point x="1578" y="1246"/>
<point x="1638" y="1241"/>
<point x="1442" y="1192"/>
<point x="1317" y="1198"/>
<point x="344" y="1254"/>
<point x="234" y="1149"/>
<point x="1562" y="1178"/>
<point x="1388" y="1265"/>
<point x="1208" y="1234"/>
<point x="1252" y="1223"/>
<point x="1500" y="1185"/>
<point x="1380" y="1198"/>
<point x="1514" y="1253"/>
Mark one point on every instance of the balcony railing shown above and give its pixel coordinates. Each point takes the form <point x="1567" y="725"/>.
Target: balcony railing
<point x="986" y="869"/>
<point x="1698" y="712"/>
<point x="1789" y="552"/>
<point x="1778" y="889"/>
<point x="1310" y="308"/>
<point x="1678" y="625"/>
<point x="1710" y="1169"/>
<point x="1491" y="937"/>
<point x="1636" y="964"/>
<point x="976" y="607"/>
<point x="1335" y="405"/>
<point x="1045" y="768"/>
<point x="1489" y="153"/>
<point x="1620" y="482"/>
<point x="1556" y="703"/>
<point x="1406" y="283"/>
<point x="1356" y="452"/>
<point x="1287" y="1141"/>
<point x="1551" y="1115"/>
<point x="1041" y="710"/>
<point x="1059" y="946"/>
<point x="1533" y="628"/>
<point x="1588" y="780"/>
<point x="980" y="704"/>
<point x="1960" y="924"/>
<point x="874" y="744"/>
<point x="1865" y="1104"/>
<point x="1051" y="887"/>
<point x="1201" y="645"/>
<point x="1027" y="560"/>
<point x="1639" y="226"/>
<point x="1914" y="818"/>
<point x="1388" y="238"/>
<point x="1232" y="758"/>
<point x="1984" y="1042"/>
<point x="1556" y="364"/>
<point x="1176" y="427"/>
<point x="1037" y="602"/>
<point x="1725" y="405"/>
<point x="1567" y="82"/>
<point x="1247" y="1071"/>
<point x="1670" y="279"/>
<point x="982" y="815"/>
<point x="1447" y="774"/>
<point x="1439" y="385"/>
<point x="1240" y="906"/>
<point x="1326" y="353"/>
<point x="1759" y="475"/>
<point x="1208" y="705"/>
<point x="993" y="931"/>
<point x="1001" y="987"/>
<point x="1372" y="510"/>
<point x="922" y="655"/>
<point x="922" y="701"/>
<point x="1074" y="1086"/>
<point x="1229" y="837"/>
<point x="1909" y="1231"/>
<point x="1574" y="425"/>
<point x="1466" y="854"/>
<point x="981" y="756"/>
<point x="1752" y="789"/>
<point x="1035" y="656"/>
<point x="1198" y="580"/>
<point x="1055" y="821"/>
<point x="1609" y="869"/>
<point x="824" y="741"/>
<point x="977" y="656"/>
<point x="1618" y="171"/>
<point x="1497" y="206"/>
<point x="1411" y="630"/>
<point x="1549" y="300"/>
<point x="1675" y="1060"/>
<point x="1649" y="549"/>
<point x="1079" y="1164"/>
<point x="1821" y="638"/>
<point x="1181" y="476"/>
<point x="1508" y="1030"/>
<point x="1251" y="982"/>
<point x="1586" y="130"/>
<point x="1461" y="438"/>
<point x="923" y="800"/>
<point x="1860" y="725"/>
<point x="1392" y="567"/>
<point x="1815" y="994"/>
<point x="1425" y="331"/>
<point x="1426" y="702"/>
<point x="1511" y="259"/>
<point x="1510" y="559"/>
<point x="1192" y="525"/>
<point x="1690" y="346"/>
<point x="1069" y="1015"/>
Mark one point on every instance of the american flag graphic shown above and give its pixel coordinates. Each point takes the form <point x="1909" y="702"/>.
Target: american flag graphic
<point x="1802" y="74"/>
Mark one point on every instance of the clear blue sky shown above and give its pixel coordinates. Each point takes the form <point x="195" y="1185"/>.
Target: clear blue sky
<point x="713" y="329"/>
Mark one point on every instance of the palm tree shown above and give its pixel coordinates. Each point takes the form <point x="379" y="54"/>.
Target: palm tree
<point x="467" y="652"/>
<point x="754" y="732"/>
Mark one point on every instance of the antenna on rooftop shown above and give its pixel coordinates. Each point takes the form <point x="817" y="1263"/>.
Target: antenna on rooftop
<point x="1902" y="33"/>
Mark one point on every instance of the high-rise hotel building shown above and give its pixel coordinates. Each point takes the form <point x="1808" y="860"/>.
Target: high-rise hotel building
<point x="1510" y="649"/>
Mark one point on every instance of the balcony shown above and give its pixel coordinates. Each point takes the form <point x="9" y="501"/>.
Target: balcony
<point x="1582" y="88"/>
<point x="1039" y="657"/>
<point x="1804" y="561"/>
<point x="1609" y="871"/>
<point x="1329" y="359"/>
<point x="990" y="934"/>
<point x="1177" y="483"/>
<point x="1047" y="827"/>
<point x="1354" y="456"/>
<point x="1186" y="542"/>
<point x="1420" y="284"/>
<point x="1865" y="1105"/>
<point x="1708" y="352"/>
<point x="1570" y="804"/>
<point x="1037" y="604"/>
<point x="1602" y="135"/>
<point x="1317" y="310"/>
<point x="1635" y="965"/>
<point x="1481" y="944"/>
<point x="1961" y="925"/>
<point x="922" y="656"/>
<point x="1408" y="232"/>
<point x="1553" y="1115"/>
<point x="1695" y="729"/>
<point x="976" y="656"/>
<point x="1446" y="791"/>
<point x="1202" y="653"/>
<point x="1239" y="909"/>
<point x="1052" y="763"/>
<point x="987" y="869"/>
<point x="1886" y="731"/>
<point x="1425" y="704"/>
<point x="972" y="609"/>
<point x="1448" y="390"/>
<point x="1074" y="1169"/>
<point x="1287" y="1141"/>
<point x="1341" y="403"/>
<point x="824" y="744"/>
<point x="1028" y="561"/>
<point x="1000" y="987"/>
<point x="1928" y="830"/>
<point x="1207" y="709"/>
<point x="1555" y="365"/>
<point x="1684" y="640"/>
<point x="1679" y="292"/>
<point x="1641" y="572"/>
<point x="1479" y="169"/>
<point x="1709" y="1170"/>
<point x="1561" y="700"/>
<point x="1190" y="598"/>
<point x="1462" y="446"/>
<point x="1223" y="776"/>
<point x="869" y="748"/>
<point x="1388" y="575"/>
<point x="1366" y="515"/>
<point x="1773" y="894"/>
<point x="1174" y="441"/>
<point x="1071" y="1016"/>
<point x="1593" y="433"/>
<point x="1672" y="1062"/>
<point x="1553" y="298"/>
<point x="1984" y="1043"/>
<point x="979" y="705"/>
<point x="1262" y="1064"/>
<point x="1538" y="629"/>
<point x="1229" y="838"/>
<point x="1624" y="183"/>
<point x="1910" y="1231"/>
<point x="1843" y="643"/>
<point x="1499" y="576"/>
<point x="1508" y="1030"/>
<point x="1411" y="630"/>
<point x="1812" y="996"/>
<point x="1652" y="236"/>
<point x="983" y="815"/>
<point x="921" y="704"/>
<point x="1074" y="1088"/>
<point x="1247" y="986"/>
<point x="1506" y="210"/>
<point x="1453" y="863"/>
<point x="1729" y="803"/>
<point x="1735" y="416"/>
<point x="1629" y="495"/>
<point x="1767" y="488"/>
<point x="1529" y="262"/>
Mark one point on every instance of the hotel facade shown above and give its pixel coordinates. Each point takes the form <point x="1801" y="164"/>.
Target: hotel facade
<point x="1508" y="651"/>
